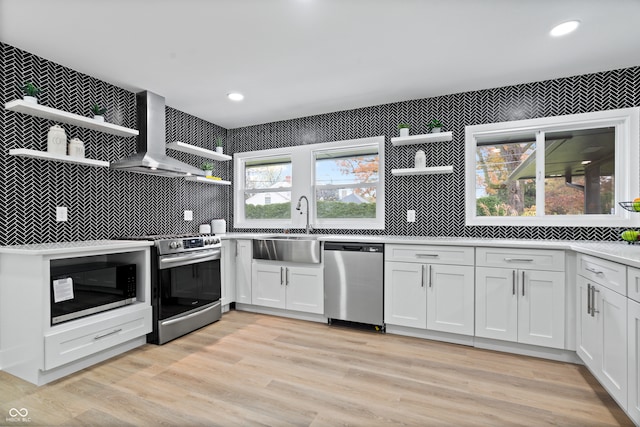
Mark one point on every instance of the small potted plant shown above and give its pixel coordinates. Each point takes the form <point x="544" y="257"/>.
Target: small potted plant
<point x="219" y="145"/>
<point x="207" y="167"/>
<point x="435" y="126"/>
<point x="31" y="92"/>
<point x="98" y="112"/>
<point x="404" y="129"/>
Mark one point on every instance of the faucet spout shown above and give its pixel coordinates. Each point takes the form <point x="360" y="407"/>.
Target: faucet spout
<point x="299" y="207"/>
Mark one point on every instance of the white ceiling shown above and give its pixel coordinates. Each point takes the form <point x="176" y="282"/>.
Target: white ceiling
<point x="294" y="58"/>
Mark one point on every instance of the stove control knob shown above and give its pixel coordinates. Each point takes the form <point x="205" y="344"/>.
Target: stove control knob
<point x="216" y="240"/>
<point x="173" y="245"/>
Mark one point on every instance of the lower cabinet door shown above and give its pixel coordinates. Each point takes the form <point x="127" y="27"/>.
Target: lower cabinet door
<point x="588" y="328"/>
<point x="267" y="285"/>
<point x="541" y="308"/>
<point x="496" y="303"/>
<point x="450" y="298"/>
<point x="611" y="308"/>
<point x="243" y="271"/>
<point x="633" y="362"/>
<point x="405" y="299"/>
<point x="305" y="289"/>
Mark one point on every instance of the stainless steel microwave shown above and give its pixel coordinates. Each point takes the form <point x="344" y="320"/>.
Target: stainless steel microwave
<point x="83" y="289"/>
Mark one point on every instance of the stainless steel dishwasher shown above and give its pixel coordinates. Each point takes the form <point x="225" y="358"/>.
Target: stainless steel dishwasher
<point x="353" y="282"/>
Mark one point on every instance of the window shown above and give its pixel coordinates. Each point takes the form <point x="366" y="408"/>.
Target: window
<point x="346" y="185"/>
<point x="566" y="170"/>
<point x="341" y="180"/>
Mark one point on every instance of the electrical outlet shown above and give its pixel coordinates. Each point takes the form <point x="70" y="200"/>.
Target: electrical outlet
<point x="61" y="213"/>
<point x="411" y="215"/>
<point x="188" y="215"/>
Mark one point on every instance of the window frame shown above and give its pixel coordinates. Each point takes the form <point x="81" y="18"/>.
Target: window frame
<point x="303" y="183"/>
<point x="627" y="179"/>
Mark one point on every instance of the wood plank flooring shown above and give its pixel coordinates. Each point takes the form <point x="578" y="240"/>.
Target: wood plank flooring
<point x="256" y="370"/>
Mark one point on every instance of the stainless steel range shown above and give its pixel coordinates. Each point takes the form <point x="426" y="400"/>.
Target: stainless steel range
<point x="185" y="284"/>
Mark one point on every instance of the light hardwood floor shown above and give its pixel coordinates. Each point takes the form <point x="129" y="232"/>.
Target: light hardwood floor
<point x="250" y="369"/>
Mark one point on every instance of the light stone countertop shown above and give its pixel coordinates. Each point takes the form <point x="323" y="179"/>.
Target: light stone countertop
<point x="621" y="252"/>
<point x="74" y="247"/>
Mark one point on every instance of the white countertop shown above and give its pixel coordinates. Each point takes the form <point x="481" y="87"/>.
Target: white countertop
<point x="621" y="252"/>
<point x="74" y="247"/>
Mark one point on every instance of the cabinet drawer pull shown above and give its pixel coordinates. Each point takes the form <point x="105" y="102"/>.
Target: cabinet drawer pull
<point x="97" y="337"/>
<point x="588" y="298"/>
<point x="519" y="259"/>
<point x="423" y="276"/>
<point x="513" y="283"/>
<point x="593" y="301"/>
<point x="594" y="271"/>
<point x="523" y="283"/>
<point x="427" y="255"/>
<point x="281" y="276"/>
<point x="430" y="280"/>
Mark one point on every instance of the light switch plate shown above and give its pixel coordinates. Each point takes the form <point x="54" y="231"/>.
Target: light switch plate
<point x="61" y="213"/>
<point x="188" y="215"/>
<point x="411" y="215"/>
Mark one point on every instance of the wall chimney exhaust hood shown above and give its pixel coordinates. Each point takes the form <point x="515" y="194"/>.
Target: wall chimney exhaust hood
<point x="150" y="157"/>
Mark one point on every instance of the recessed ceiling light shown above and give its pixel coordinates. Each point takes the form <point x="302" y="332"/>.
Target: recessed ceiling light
<point x="564" y="28"/>
<point x="585" y="162"/>
<point x="235" y="96"/>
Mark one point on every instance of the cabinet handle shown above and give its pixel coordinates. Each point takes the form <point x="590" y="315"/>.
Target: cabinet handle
<point x="281" y="276"/>
<point x="519" y="259"/>
<point x="513" y="283"/>
<point x="423" y="275"/>
<point x="588" y="298"/>
<point x="427" y="255"/>
<point x="97" y="337"/>
<point x="286" y="276"/>
<point x="593" y="270"/>
<point x="430" y="280"/>
<point x="593" y="301"/>
<point x="523" y="283"/>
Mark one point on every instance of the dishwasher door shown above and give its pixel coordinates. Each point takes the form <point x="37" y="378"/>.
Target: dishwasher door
<point x="353" y="282"/>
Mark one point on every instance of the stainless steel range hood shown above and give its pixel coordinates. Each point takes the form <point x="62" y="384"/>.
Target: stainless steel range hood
<point x="150" y="157"/>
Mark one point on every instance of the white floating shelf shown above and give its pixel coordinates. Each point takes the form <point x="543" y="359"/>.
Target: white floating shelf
<point x="422" y="139"/>
<point x="202" y="152"/>
<point x="422" y="171"/>
<point x="43" y="155"/>
<point x="207" y="180"/>
<point x="49" y="113"/>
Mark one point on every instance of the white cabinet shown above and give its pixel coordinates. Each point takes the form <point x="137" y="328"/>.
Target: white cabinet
<point x="286" y="286"/>
<point x="602" y="323"/>
<point x="427" y="288"/>
<point x="633" y="345"/>
<point x="243" y="271"/>
<point x="228" y="272"/>
<point x="519" y="298"/>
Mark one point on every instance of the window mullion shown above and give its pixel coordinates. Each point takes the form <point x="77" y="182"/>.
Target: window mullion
<point x="540" y="173"/>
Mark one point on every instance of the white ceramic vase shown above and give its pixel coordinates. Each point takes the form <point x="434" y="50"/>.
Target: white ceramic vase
<point x="219" y="150"/>
<point x="57" y="140"/>
<point x="76" y="148"/>
<point x="421" y="160"/>
<point x="98" y="118"/>
<point x="404" y="131"/>
<point x="30" y="99"/>
<point x="208" y="173"/>
<point x="436" y="130"/>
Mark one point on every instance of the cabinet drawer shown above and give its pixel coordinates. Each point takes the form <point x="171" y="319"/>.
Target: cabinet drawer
<point x="633" y="283"/>
<point x="72" y="344"/>
<point x="606" y="273"/>
<point x="531" y="259"/>
<point x="429" y="254"/>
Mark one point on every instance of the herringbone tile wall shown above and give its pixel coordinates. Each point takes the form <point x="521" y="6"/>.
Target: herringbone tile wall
<point x="439" y="199"/>
<point x="102" y="203"/>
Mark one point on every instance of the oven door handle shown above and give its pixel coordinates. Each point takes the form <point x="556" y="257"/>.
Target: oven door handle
<point x="209" y="256"/>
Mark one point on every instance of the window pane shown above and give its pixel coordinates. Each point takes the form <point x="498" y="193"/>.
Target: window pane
<point x="272" y="205"/>
<point x="346" y="202"/>
<point x="349" y="169"/>
<point x="505" y="176"/>
<point x="268" y="175"/>
<point x="579" y="172"/>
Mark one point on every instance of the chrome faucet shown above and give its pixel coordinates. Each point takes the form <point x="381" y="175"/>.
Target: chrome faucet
<point x="308" y="228"/>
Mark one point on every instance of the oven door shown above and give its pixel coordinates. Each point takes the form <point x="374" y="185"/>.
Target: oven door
<point x="188" y="281"/>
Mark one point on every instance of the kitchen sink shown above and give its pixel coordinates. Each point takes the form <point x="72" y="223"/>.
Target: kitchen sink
<point x="302" y="249"/>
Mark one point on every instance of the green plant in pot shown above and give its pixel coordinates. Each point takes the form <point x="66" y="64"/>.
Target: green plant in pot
<point x="219" y="145"/>
<point x="31" y="92"/>
<point x="435" y="126"/>
<point x="98" y="112"/>
<point x="207" y="167"/>
<point x="404" y="129"/>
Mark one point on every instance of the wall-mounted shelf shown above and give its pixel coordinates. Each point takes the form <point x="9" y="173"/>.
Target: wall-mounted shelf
<point x="49" y="113"/>
<point x="422" y="171"/>
<point x="202" y="152"/>
<point x="43" y="155"/>
<point x="207" y="180"/>
<point x="422" y="139"/>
